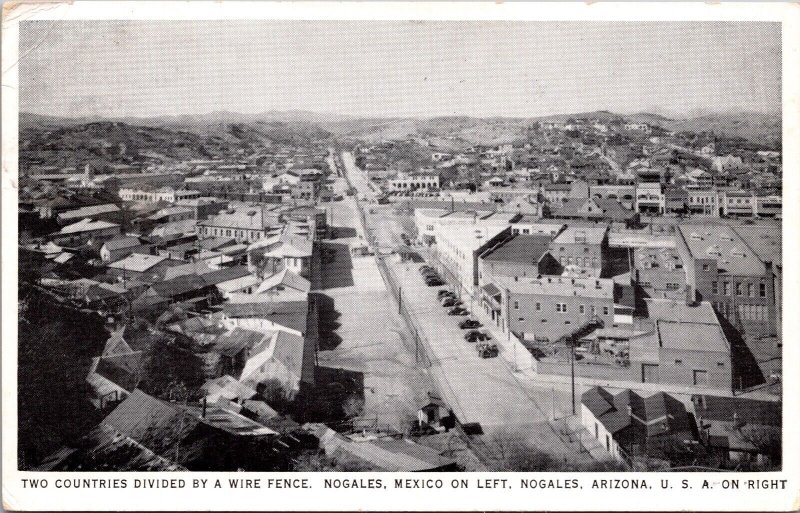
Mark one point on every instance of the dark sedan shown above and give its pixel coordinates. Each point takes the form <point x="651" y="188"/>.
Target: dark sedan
<point x="468" y="324"/>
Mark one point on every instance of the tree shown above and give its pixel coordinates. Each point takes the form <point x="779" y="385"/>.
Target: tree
<point x="513" y="452"/>
<point x="275" y="394"/>
<point x="170" y="372"/>
<point x="56" y="345"/>
<point x="766" y="440"/>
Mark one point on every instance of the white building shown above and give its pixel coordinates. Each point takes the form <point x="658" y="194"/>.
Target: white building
<point x="726" y="162"/>
<point x="168" y="194"/>
<point x="414" y="182"/>
<point x="458" y="248"/>
<point x="650" y="198"/>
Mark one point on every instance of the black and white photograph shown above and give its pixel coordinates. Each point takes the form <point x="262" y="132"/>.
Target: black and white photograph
<point x="398" y="245"/>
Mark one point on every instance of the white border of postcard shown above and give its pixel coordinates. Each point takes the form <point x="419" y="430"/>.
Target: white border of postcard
<point x="685" y="490"/>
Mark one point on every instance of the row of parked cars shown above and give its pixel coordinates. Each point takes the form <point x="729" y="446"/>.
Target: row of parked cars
<point x="485" y="348"/>
<point x="431" y="277"/>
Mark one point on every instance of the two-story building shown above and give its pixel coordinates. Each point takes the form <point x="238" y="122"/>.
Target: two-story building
<point x="735" y="274"/>
<point x="424" y="181"/>
<point x="244" y="224"/>
<point x="584" y="247"/>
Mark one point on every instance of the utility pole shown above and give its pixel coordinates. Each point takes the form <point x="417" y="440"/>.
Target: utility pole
<point x="400" y="300"/>
<point x="572" y="370"/>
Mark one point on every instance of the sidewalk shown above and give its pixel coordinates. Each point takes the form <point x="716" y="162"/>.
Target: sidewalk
<point x="522" y="364"/>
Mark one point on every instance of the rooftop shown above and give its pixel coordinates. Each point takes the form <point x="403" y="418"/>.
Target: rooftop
<point x="137" y="262"/>
<point x="693" y="336"/>
<point x="169" y="211"/>
<point x="122" y="243"/>
<point x="523" y="249"/>
<point x="656" y="258"/>
<point x="285" y="278"/>
<point x="679" y="311"/>
<point x="723" y="244"/>
<point x="87" y="225"/>
<point x="765" y="241"/>
<point x="251" y="218"/>
<point x="581" y="235"/>
<point x="89" y="211"/>
<point x="290" y="314"/>
<point x="560" y="286"/>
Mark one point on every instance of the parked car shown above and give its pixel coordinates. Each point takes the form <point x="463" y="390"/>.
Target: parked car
<point x="445" y="293"/>
<point x="474" y="336"/>
<point x="450" y="301"/>
<point x="487" y="350"/>
<point x="434" y="282"/>
<point x="458" y="311"/>
<point x="468" y="324"/>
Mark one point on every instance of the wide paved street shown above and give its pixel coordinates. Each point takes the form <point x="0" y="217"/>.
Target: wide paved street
<point x="482" y="391"/>
<point x="360" y="330"/>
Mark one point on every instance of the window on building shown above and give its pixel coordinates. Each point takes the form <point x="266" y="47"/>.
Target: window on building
<point x="538" y="307"/>
<point x="586" y="249"/>
<point x="762" y="289"/>
<point x="705" y="267"/>
<point x="714" y="287"/>
<point x="678" y="362"/>
<point x="516" y="305"/>
<point x="726" y="288"/>
<point x="700" y="378"/>
<point x="720" y="364"/>
<point x="521" y="319"/>
<point x="605" y="310"/>
<point x="582" y="309"/>
<point x="561" y="307"/>
<point x="544" y="320"/>
<point x="738" y="287"/>
<point x="750" y="289"/>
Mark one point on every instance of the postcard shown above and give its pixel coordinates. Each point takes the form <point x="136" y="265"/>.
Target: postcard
<point x="400" y="256"/>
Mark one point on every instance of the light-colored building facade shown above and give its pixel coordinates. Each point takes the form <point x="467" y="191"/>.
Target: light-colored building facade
<point x="414" y="182"/>
<point x="167" y="194"/>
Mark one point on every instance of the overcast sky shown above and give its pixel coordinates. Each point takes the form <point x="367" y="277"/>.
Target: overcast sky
<point x="132" y="68"/>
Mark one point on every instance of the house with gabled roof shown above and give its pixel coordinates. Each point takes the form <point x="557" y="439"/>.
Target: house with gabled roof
<point x="85" y="231"/>
<point x="120" y="247"/>
<point x="628" y="425"/>
<point x="273" y="254"/>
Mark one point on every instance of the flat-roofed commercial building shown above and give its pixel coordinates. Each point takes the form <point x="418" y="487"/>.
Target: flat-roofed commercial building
<point x="734" y="268"/>
<point x="458" y="247"/>
<point x="583" y="247"/>
<point x="678" y="345"/>
<point x="548" y="307"/>
<point x="425" y="181"/>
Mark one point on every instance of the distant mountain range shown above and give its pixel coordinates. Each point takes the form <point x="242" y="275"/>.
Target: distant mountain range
<point x="302" y="126"/>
